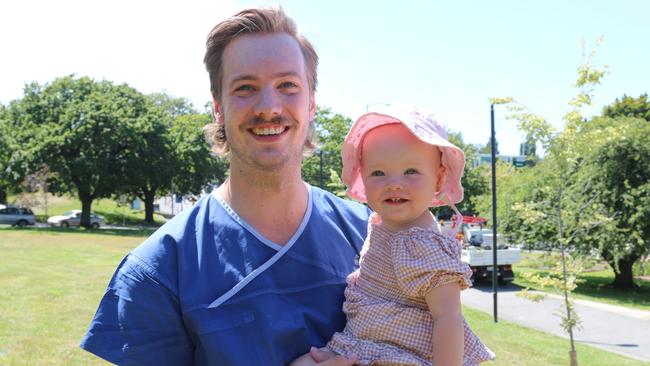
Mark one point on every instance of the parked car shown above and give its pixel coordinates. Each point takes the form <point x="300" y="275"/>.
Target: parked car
<point x="73" y="218"/>
<point x="16" y="216"/>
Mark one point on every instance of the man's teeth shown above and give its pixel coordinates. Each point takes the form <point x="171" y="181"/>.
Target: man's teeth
<point x="265" y="131"/>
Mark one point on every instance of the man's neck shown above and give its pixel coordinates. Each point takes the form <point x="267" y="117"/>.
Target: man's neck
<point x="274" y="203"/>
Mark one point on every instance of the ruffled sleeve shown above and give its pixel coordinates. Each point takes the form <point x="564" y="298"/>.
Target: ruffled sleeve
<point x="424" y="260"/>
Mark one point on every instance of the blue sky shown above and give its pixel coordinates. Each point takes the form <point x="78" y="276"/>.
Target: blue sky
<point x="449" y="57"/>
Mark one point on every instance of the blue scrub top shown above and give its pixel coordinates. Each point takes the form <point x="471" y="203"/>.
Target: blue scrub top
<point x="207" y="289"/>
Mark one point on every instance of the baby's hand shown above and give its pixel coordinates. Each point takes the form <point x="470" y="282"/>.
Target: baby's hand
<point x="325" y="357"/>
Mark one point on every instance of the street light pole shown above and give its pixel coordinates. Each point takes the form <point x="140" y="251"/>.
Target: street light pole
<point x="320" y="174"/>
<point x="494" y="214"/>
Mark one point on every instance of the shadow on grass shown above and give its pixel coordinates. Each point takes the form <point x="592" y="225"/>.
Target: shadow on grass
<point x="601" y="287"/>
<point x="116" y="218"/>
<point x="598" y="286"/>
<point x="139" y="232"/>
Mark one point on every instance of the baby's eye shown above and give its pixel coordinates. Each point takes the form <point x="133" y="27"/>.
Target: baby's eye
<point x="377" y="173"/>
<point x="411" y="171"/>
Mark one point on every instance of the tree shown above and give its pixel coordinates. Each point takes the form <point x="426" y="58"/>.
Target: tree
<point x="556" y="206"/>
<point x="617" y="174"/>
<point x="629" y="107"/>
<point x="197" y="168"/>
<point x="172" y="152"/>
<point x="85" y="130"/>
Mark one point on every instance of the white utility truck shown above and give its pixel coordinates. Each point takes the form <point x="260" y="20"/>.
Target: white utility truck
<point x="477" y="252"/>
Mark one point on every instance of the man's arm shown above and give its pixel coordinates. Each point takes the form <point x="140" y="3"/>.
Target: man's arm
<point x="138" y="321"/>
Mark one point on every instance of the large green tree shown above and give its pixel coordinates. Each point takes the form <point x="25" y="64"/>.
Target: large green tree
<point x="616" y="173"/>
<point x="85" y="130"/>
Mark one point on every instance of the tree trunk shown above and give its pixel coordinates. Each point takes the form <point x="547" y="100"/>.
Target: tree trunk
<point x="149" y="196"/>
<point x="623" y="275"/>
<point x="86" y="203"/>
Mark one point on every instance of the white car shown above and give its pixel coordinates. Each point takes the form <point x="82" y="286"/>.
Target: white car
<point x="73" y="218"/>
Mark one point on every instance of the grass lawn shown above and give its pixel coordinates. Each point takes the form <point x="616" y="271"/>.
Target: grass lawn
<point x="598" y="277"/>
<point x="51" y="282"/>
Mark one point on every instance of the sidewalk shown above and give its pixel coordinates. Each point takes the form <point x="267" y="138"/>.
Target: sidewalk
<point x="612" y="328"/>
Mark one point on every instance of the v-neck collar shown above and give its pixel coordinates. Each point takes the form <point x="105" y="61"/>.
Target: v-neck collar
<point x="258" y="235"/>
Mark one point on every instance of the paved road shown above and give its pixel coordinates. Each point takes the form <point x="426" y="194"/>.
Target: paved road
<point x="613" y="328"/>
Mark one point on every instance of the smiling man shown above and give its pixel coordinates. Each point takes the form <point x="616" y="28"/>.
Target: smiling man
<point x="254" y="274"/>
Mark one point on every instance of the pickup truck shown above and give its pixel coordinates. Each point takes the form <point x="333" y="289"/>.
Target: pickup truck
<point x="478" y="254"/>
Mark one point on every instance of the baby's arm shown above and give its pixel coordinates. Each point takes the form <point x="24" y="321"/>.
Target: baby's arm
<point x="448" y="338"/>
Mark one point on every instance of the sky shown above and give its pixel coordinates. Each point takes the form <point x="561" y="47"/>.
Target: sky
<point x="448" y="57"/>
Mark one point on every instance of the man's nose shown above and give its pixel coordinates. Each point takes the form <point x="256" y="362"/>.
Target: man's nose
<point x="268" y="104"/>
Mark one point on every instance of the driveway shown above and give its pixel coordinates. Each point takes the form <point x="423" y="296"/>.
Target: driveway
<point x="612" y="328"/>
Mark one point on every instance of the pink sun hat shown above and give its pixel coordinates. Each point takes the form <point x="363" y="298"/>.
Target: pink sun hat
<point x="421" y="124"/>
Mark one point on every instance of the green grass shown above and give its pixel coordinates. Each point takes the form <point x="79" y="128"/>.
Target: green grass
<point x="50" y="285"/>
<point x="113" y="213"/>
<point x="597" y="277"/>
<point x="515" y="345"/>
<point x="52" y="280"/>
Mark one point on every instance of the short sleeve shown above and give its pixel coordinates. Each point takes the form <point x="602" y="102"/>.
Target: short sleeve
<point x="424" y="260"/>
<point x="138" y="321"/>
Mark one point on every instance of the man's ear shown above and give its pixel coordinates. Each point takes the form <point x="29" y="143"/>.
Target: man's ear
<point x="217" y="112"/>
<point x="312" y="106"/>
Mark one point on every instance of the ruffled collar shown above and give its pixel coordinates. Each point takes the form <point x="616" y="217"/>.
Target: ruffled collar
<point x="374" y="225"/>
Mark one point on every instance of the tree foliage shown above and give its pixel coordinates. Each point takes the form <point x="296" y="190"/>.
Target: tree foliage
<point x="331" y="129"/>
<point x="616" y="173"/>
<point x="84" y="130"/>
<point x="473" y="181"/>
<point x="171" y="152"/>
<point x="629" y="107"/>
<point x="101" y="140"/>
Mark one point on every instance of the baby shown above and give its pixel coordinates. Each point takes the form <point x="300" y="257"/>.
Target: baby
<point x="403" y="303"/>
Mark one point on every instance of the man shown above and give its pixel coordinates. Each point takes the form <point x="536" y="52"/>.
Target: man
<point x="254" y="273"/>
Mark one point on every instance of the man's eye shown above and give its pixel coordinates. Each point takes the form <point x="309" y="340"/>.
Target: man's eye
<point x="377" y="173"/>
<point x="288" y="85"/>
<point x="411" y="171"/>
<point x="245" y="88"/>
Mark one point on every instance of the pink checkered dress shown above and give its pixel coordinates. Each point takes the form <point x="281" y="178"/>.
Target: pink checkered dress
<point x="389" y="322"/>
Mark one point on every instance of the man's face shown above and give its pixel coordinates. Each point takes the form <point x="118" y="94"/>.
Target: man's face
<point x="266" y="103"/>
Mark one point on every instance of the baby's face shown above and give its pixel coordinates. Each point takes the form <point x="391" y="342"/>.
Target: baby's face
<point x="401" y="175"/>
